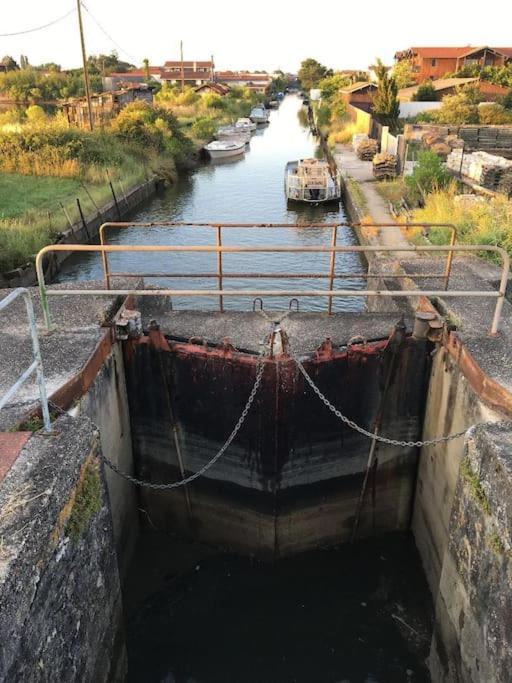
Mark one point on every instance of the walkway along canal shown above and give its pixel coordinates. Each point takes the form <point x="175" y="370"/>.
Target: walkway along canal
<point x="250" y="189"/>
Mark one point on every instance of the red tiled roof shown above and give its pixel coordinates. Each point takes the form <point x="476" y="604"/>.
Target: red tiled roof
<point x="241" y="76"/>
<point x="451" y="52"/>
<point x="187" y="75"/>
<point x="136" y="72"/>
<point x="188" y="63"/>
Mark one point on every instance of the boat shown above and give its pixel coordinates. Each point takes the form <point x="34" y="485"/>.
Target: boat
<point x="245" y="123"/>
<point x="233" y="133"/>
<point x="273" y="104"/>
<point x="259" y="115"/>
<point x="311" y="181"/>
<point x="224" y="149"/>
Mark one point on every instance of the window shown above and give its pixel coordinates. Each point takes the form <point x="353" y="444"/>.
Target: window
<point x="433" y="62"/>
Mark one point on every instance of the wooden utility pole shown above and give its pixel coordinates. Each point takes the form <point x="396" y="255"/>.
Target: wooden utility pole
<point x="213" y="70"/>
<point x="84" y="59"/>
<point x="182" y="67"/>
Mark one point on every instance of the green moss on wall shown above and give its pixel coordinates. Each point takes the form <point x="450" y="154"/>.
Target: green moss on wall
<point x="475" y="486"/>
<point x="88" y="501"/>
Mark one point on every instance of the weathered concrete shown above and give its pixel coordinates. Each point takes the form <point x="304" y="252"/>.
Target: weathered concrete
<point x="474" y="603"/>
<point x="60" y="598"/>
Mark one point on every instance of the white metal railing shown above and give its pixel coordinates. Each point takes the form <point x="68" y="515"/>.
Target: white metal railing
<point x="36" y="365"/>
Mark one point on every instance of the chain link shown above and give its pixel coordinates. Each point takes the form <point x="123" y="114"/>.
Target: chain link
<point x="382" y="439"/>
<point x="216" y="457"/>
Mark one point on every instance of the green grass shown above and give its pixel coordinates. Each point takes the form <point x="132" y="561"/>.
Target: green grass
<point x="22" y="193"/>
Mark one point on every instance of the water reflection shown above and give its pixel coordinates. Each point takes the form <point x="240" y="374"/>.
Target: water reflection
<point x="249" y="189"/>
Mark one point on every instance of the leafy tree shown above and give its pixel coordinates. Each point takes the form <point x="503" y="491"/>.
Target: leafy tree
<point x="311" y="73"/>
<point x="9" y="63"/>
<point x="425" y="93"/>
<point x="146" y="69"/>
<point x="24" y="62"/>
<point x="460" y="108"/>
<point x="332" y="84"/>
<point x="106" y="64"/>
<point x="507" y="100"/>
<point x="402" y="73"/>
<point x="386" y="107"/>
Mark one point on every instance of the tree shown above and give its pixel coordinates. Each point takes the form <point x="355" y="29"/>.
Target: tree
<point x="386" y="107"/>
<point x="507" y="100"/>
<point x="460" y="108"/>
<point x="24" y="64"/>
<point x="332" y="84"/>
<point x="311" y="73"/>
<point x="146" y="69"/>
<point x="9" y="63"/>
<point x="402" y="73"/>
<point x="425" y="93"/>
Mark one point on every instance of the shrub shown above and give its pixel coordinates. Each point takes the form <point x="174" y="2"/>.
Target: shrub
<point x="213" y="101"/>
<point x="429" y="174"/>
<point x="494" y="114"/>
<point x="425" y="93"/>
<point x="204" y="128"/>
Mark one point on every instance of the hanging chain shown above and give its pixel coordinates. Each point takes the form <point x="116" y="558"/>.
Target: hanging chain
<point x="210" y="463"/>
<point x="382" y="439"/>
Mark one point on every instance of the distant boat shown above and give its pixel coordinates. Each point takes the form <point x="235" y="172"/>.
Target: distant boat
<point x="233" y="133"/>
<point x="311" y="181"/>
<point x="259" y="115"/>
<point x="273" y="104"/>
<point x="224" y="149"/>
<point x="245" y="123"/>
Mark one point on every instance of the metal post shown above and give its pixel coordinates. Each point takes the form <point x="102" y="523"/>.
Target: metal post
<point x="104" y="258"/>
<point x="503" y="290"/>
<point x="86" y="69"/>
<point x="43" y="398"/>
<point x="449" y="260"/>
<point x="332" y="266"/>
<point x="219" y="267"/>
<point x="84" y="223"/>
<point x="115" y="199"/>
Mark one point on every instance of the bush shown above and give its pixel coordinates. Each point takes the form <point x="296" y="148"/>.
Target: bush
<point x="204" y="128"/>
<point x="494" y="114"/>
<point x="213" y="101"/>
<point x="425" y="93"/>
<point x="460" y="108"/>
<point x="429" y="174"/>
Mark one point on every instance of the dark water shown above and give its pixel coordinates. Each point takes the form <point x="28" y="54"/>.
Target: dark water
<point x="357" y="614"/>
<point x="250" y="189"/>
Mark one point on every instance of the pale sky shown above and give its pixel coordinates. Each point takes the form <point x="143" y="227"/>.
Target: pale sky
<point x="261" y="34"/>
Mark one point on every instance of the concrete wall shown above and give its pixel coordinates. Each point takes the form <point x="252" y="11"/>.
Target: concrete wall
<point x="60" y="597"/>
<point x="462" y="524"/>
<point x="106" y="404"/>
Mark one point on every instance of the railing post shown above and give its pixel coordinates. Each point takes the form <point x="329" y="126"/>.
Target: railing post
<point x="219" y="266"/>
<point x="449" y="259"/>
<point x="104" y="258"/>
<point x="43" y="397"/>
<point x="332" y="266"/>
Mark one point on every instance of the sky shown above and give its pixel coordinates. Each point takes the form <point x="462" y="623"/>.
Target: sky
<point x="266" y="35"/>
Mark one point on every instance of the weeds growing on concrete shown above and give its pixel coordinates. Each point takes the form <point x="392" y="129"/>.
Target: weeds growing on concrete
<point x="472" y="478"/>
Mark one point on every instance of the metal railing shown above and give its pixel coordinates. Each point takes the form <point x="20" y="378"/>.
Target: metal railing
<point x="220" y="275"/>
<point x="37" y="364"/>
<point x="220" y="250"/>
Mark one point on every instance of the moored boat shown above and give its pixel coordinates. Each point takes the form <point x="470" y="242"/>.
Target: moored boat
<point x="311" y="181"/>
<point x="232" y="133"/>
<point x="259" y="115"/>
<point x="245" y="123"/>
<point x="224" y="149"/>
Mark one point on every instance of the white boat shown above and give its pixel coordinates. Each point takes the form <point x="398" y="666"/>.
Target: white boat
<point x="233" y="133"/>
<point x="311" y="181"/>
<point x="259" y="115"/>
<point x="245" y="123"/>
<point x="224" y="149"/>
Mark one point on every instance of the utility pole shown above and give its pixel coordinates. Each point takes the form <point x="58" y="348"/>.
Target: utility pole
<point x="182" y="67"/>
<point x="213" y="70"/>
<point x="86" y="71"/>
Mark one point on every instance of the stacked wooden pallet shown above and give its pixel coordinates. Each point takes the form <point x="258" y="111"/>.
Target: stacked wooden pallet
<point x="505" y="183"/>
<point x="385" y="166"/>
<point x="367" y="149"/>
<point x="485" y="169"/>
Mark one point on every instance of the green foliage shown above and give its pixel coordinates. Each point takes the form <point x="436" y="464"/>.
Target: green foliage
<point x="204" y="128"/>
<point x="9" y="62"/>
<point x="402" y="73"/>
<point x="460" y="108"/>
<point x="331" y="85"/>
<point x="494" y="114"/>
<point x="429" y="174"/>
<point x="475" y="485"/>
<point x="425" y="93"/>
<point x="499" y="75"/>
<point x="213" y="101"/>
<point x="386" y="107"/>
<point x="35" y="114"/>
<point x="507" y="100"/>
<point x="33" y="85"/>
<point x="311" y="73"/>
<point x="106" y="64"/>
<point x="323" y="114"/>
<point x="87" y="502"/>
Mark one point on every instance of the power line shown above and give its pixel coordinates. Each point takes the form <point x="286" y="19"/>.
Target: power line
<point x="37" y="28"/>
<point x="105" y="32"/>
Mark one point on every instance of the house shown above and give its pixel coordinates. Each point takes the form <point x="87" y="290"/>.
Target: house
<point x="435" y="62"/>
<point x="216" y="88"/>
<point x="118" y="80"/>
<point x="448" y="86"/>
<point x="104" y="105"/>
<point x="257" y="82"/>
<point x="192" y="73"/>
<point x="359" y="94"/>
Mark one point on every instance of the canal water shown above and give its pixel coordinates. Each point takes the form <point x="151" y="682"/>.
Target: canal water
<point x="248" y="189"/>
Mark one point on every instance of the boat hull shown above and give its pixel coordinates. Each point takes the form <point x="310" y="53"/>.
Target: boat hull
<point x="226" y="153"/>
